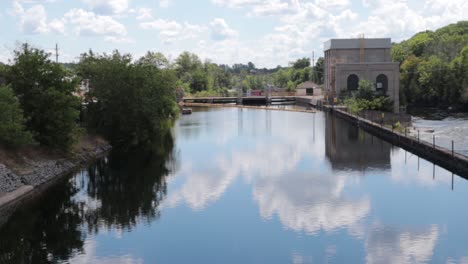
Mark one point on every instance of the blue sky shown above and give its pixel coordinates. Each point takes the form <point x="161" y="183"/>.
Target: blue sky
<point x="266" y="32"/>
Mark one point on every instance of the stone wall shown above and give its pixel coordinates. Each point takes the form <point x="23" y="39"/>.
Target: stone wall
<point x="36" y="174"/>
<point x="9" y="181"/>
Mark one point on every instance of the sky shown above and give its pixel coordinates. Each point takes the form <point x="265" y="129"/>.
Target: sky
<point x="265" y="32"/>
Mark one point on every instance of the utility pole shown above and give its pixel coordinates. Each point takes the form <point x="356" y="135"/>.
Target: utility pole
<point x="56" y="53"/>
<point x="313" y="58"/>
<point x="314" y="72"/>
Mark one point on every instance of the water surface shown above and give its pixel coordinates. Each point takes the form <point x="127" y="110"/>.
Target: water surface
<point x="250" y="186"/>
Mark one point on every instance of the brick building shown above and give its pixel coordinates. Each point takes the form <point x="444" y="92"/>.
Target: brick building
<point x="347" y="61"/>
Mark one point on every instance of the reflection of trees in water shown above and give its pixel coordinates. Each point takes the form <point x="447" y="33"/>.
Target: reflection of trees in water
<point x="128" y="188"/>
<point x="45" y="231"/>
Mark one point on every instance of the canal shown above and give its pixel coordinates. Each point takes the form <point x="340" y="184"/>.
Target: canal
<point x="249" y="186"/>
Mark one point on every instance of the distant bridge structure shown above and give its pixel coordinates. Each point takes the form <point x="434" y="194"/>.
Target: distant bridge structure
<point x="241" y="100"/>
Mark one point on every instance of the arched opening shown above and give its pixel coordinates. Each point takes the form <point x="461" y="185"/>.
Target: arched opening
<point x="381" y="84"/>
<point x="353" y="82"/>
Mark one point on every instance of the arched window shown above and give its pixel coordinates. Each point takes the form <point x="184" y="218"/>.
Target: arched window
<point x="353" y="82"/>
<point x="382" y="84"/>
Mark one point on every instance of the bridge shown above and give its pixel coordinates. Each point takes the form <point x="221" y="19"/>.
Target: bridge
<point x="253" y="100"/>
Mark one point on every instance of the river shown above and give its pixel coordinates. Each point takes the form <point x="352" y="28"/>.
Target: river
<point x="249" y="186"/>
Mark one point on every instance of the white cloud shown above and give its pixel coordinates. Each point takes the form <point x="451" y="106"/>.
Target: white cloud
<point x="221" y="31"/>
<point x="164" y="3"/>
<point x="114" y="39"/>
<point x="332" y="3"/>
<point x="171" y="31"/>
<point x="144" y="13"/>
<point x="274" y="7"/>
<point x="88" y="23"/>
<point x="57" y="26"/>
<point x="90" y="255"/>
<point x="108" y="7"/>
<point x="387" y="245"/>
<point x="32" y="20"/>
<point x="37" y="1"/>
<point x="237" y="3"/>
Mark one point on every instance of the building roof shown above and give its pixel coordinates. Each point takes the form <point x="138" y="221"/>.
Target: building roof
<point x="307" y="85"/>
<point x="369" y="43"/>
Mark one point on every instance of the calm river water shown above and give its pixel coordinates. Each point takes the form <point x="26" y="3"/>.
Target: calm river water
<point x="249" y="186"/>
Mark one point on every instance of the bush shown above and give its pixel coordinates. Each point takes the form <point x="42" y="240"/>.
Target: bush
<point x="366" y="99"/>
<point x="12" y="126"/>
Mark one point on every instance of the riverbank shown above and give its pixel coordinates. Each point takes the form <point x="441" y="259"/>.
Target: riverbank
<point x="25" y="172"/>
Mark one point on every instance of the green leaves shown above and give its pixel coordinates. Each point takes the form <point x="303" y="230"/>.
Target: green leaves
<point x="433" y="71"/>
<point x="45" y="91"/>
<point x="366" y="99"/>
<point x="13" y="131"/>
<point x="132" y="102"/>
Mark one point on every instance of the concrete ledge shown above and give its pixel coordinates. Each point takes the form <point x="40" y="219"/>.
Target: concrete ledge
<point x="455" y="162"/>
<point x="15" y="195"/>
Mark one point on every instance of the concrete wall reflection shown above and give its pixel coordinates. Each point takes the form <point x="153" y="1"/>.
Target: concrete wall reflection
<point x="350" y="148"/>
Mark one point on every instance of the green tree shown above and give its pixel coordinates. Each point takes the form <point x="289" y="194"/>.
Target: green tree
<point x="12" y="128"/>
<point x="187" y="63"/>
<point x="132" y="102"/>
<point x="199" y="81"/>
<point x="156" y="59"/>
<point x="45" y="92"/>
<point x="301" y="63"/>
<point x="366" y="90"/>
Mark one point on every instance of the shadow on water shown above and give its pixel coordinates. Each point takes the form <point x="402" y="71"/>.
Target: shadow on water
<point x="124" y="189"/>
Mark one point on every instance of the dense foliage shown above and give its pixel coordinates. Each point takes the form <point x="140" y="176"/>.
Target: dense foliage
<point x="129" y="102"/>
<point x="12" y="128"/>
<point x="434" y="67"/>
<point x="209" y="79"/>
<point x="45" y="91"/>
<point x="365" y="98"/>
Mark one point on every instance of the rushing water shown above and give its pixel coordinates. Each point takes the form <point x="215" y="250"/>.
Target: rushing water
<point x="443" y="128"/>
<point x="249" y="186"/>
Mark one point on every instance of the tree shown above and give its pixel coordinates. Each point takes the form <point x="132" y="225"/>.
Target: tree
<point x="187" y="63"/>
<point x="45" y="92"/>
<point x="133" y="102"/>
<point x="301" y="63"/>
<point x="251" y="66"/>
<point x="13" y="131"/>
<point x="156" y="59"/>
<point x="199" y="81"/>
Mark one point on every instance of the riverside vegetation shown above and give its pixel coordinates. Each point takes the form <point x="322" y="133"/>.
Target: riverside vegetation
<point x="434" y="67"/>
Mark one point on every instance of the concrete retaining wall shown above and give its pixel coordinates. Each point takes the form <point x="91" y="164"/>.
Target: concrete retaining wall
<point x="454" y="162"/>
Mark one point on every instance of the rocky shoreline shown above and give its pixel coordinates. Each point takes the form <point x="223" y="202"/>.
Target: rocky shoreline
<point x="15" y="186"/>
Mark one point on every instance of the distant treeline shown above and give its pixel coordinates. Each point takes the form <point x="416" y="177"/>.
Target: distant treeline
<point x="434" y="67"/>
